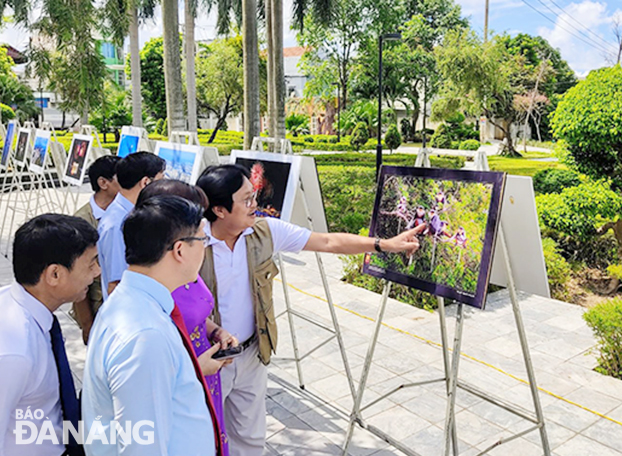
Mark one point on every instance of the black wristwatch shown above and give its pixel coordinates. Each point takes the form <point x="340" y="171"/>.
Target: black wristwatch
<point x="377" y="245"/>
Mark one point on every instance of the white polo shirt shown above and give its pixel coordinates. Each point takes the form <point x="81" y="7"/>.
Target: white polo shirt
<point x="28" y="373"/>
<point x="98" y="212"/>
<point x="235" y="301"/>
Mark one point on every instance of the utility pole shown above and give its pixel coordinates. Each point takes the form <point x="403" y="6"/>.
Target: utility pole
<point x="486" y="22"/>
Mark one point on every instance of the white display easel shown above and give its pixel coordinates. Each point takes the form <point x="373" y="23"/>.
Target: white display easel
<point x="281" y="145"/>
<point x="209" y="154"/>
<point x="451" y="368"/>
<point x="96" y="152"/>
<point x="334" y="332"/>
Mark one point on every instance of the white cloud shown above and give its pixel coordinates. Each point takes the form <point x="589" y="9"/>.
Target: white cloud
<point x="583" y="50"/>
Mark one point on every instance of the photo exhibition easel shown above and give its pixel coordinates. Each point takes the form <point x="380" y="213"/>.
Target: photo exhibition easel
<point x="2" y="130"/>
<point x="96" y="151"/>
<point x="209" y="155"/>
<point x="309" y="217"/>
<point x="280" y="145"/>
<point x="451" y="364"/>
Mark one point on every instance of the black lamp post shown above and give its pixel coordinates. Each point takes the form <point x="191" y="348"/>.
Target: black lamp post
<point x="381" y="38"/>
<point x="338" y="111"/>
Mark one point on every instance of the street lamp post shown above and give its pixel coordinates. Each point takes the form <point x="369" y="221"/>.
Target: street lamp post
<point x="338" y="111"/>
<point x="381" y="38"/>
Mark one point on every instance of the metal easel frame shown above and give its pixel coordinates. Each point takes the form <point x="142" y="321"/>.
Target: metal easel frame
<point x="289" y="310"/>
<point x="452" y="369"/>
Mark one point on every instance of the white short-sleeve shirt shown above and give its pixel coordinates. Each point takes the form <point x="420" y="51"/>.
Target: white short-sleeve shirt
<point x="235" y="301"/>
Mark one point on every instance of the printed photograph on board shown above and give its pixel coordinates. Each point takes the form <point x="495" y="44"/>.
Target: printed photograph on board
<point x="275" y="178"/>
<point x="77" y="159"/>
<point x="8" y="144"/>
<point x="23" y="141"/>
<point x="128" y="144"/>
<point x="39" y="151"/>
<point x="458" y="212"/>
<point x="183" y="162"/>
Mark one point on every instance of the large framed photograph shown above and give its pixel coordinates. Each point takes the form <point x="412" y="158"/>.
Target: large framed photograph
<point x="460" y="213"/>
<point x="183" y="162"/>
<point x="128" y="144"/>
<point x="38" y="159"/>
<point x="275" y="179"/>
<point x="79" y="152"/>
<point x="8" y="144"/>
<point x="22" y="147"/>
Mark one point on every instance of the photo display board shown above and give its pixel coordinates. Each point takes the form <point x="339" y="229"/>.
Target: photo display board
<point x="128" y="144"/>
<point x="75" y="168"/>
<point x="460" y="211"/>
<point x="275" y="179"/>
<point x="183" y="162"/>
<point x="39" y="155"/>
<point x="22" y="146"/>
<point x="8" y="144"/>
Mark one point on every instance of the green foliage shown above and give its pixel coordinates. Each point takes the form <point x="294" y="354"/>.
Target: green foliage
<point x="6" y="113"/>
<point x="520" y="166"/>
<point x="6" y="62"/>
<point x="392" y="137"/>
<point x="578" y="211"/>
<point x="297" y="124"/>
<point x="115" y="110"/>
<point x="442" y="138"/>
<point x="408" y="132"/>
<point x="557" y="269"/>
<point x="554" y="180"/>
<point x="158" y="126"/>
<point x="588" y="119"/>
<point x="469" y="144"/>
<point x="615" y="270"/>
<point x="360" y="135"/>
<point x="152" y="77"/>
<point x="605" y="319"/>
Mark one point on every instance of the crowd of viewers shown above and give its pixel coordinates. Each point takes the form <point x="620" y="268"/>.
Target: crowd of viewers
<point x="163" y="276"/>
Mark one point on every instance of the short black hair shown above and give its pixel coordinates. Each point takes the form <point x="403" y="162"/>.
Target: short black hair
<point x="49" y="239"/>
<point x="131" y="169"/>
<point x="219" y="184"/>
<point x="165" y="218"/>
<point x="102" y="167"/>
<point x="174" y="187"/>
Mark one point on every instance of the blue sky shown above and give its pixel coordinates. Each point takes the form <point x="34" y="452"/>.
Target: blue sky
<point x="581" y="29"/>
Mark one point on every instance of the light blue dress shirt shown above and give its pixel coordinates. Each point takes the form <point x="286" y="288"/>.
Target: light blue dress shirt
<point x="111" y="246"/>
<point x="137" y="368"/>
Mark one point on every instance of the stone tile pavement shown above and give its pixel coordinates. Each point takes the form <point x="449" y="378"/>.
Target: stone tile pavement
<point x="583" y="409"/>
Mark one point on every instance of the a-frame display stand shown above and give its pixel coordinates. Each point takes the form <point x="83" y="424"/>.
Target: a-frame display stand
<point x="334" y="332"/>
<point x="451" y="368"/>
<point x="209" y="154"/>
<point x="281" y="145"/>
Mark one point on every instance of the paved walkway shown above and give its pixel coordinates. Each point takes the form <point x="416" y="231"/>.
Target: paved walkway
<point x="583" y="409"/>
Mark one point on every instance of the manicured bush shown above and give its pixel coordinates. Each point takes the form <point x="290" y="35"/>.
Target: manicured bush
<point x="7" y="112"/>
<point x="392" y="138"/>
<point x="455" y="145"/>
<point x="605" y="319"/>
<point x="408" y="132"/>
<point x="441" y="139"/>
<point x="557" y="269"/>
<point x="309" y="139"/>
<point x="469" y="144"/>
<point x="360" y="135"/>
<point x="554" y="180"/>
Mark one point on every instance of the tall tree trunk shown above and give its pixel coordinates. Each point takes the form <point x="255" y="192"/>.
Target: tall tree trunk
<point x="189" y="45"/>
<point x="84" y="117"/>
<point x="278" y="80"/>
<point x="137" y="105"/>
<point x="172" y="66"/>
<point x="251" y="71"/>
<point x="272" y="121"/>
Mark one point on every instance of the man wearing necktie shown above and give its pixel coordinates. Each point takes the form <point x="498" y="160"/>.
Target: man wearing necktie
<point x="138" y="367"/>
<point x="54" y="262"/>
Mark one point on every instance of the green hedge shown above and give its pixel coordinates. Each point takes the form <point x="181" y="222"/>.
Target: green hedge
<point x="605" y="319"/>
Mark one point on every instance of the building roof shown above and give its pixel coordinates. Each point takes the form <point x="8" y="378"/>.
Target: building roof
<point x="17" y="56"/>
<point x="295" y="51"/>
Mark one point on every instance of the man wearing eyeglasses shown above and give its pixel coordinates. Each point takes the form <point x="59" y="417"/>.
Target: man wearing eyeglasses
<point x="239" y="271"/>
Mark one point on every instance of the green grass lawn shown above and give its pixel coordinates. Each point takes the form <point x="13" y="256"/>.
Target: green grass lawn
<point x="521" y="166"/>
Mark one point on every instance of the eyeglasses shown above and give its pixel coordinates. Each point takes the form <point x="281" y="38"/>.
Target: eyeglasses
<point x="248" y="202"/>
<point x="204" y="239"/>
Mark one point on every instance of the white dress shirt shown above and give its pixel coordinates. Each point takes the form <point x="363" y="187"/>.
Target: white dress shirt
<point x="29" y="377"/>
<point x="235" y="301"/>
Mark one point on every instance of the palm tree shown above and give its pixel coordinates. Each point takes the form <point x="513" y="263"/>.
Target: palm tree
<point x="172" y="66"/>
<point x="190" y="11"/>
<point x="251" y="71"/>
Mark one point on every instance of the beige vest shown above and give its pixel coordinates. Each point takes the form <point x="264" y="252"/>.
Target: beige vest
<point x="261" y="271"/>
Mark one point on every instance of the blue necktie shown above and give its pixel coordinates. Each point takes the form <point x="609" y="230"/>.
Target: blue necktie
<point x="68" y="399"/>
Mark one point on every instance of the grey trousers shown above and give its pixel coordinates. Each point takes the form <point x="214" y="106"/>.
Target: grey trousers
<point x="244" y="383"/>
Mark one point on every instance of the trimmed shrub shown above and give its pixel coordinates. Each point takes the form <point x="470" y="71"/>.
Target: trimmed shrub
<point x="441" y="139"/>
<point x="554" y="180"/>
<point x="360" y="136"/>
<point x="7" y="112"/>
<point x="557" y="269"/>
<point x="392" y="138"/>
<point x="308" y="139"/>
<point x="469" y="144"/>
<point x="605" y="319"/>
<point x="408" y="132"/>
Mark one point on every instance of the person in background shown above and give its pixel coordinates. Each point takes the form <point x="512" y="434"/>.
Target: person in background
<point x="105" y="188"/>
<point x="239" y="270"/>
<point x="54" y="262"/>
<point x="139" y="363"/>
<point x="134" y="173"/>
<point x="196" y="304"/>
